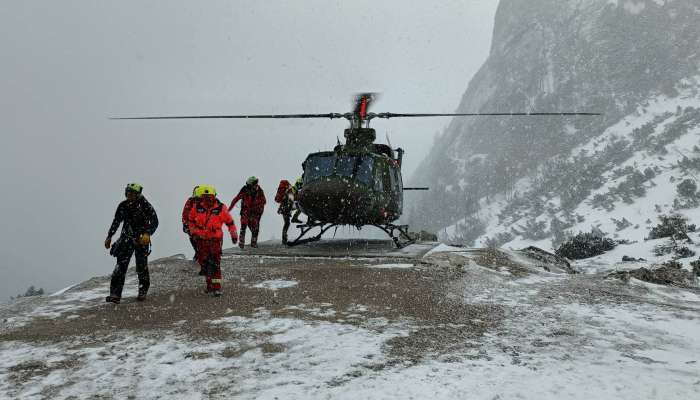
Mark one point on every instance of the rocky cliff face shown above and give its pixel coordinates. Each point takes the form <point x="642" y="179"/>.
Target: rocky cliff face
<point x="613" y="57"/>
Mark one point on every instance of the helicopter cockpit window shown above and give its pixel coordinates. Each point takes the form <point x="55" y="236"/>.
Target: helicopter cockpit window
<point x="387" y="180"/>
<point x="345" y="166"/>
<point x="396" y="181"/>
<point x="364" y="170"/>
<point x="318" y="167"/>
<point x="378" y="179"/>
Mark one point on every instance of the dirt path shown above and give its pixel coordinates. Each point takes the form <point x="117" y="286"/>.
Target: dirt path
<point x="177" y="302"/>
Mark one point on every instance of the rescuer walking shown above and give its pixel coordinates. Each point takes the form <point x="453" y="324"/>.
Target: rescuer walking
<point x="205" y="221"/>
<point x="185" y="220"/>
<point x="285" y="198"/>
<point x="252" y="208"/>
<point x="139" y="221"/>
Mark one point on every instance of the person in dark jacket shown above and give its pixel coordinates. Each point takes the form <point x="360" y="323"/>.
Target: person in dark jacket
<point x="139" y="221"/>
<point x="186" y="223"/>
<point x="252" y="209"/>
<point x="285" y="198"/>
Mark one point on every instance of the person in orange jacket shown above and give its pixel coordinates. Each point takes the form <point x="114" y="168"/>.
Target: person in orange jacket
<point x="185" y="221"/>
<point x="252" y="209"/>
<point x="205" y="221"/>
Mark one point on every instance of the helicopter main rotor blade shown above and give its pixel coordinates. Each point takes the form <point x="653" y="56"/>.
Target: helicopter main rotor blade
<point x="526" y="114"/>
<point x="351" y="116"/>
<point x="259" y="116"/>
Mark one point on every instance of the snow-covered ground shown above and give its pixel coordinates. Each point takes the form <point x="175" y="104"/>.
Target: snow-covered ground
<point x="546" y="336"/>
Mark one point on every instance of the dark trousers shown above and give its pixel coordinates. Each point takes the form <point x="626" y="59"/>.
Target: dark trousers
<point x="285" y="227"/>
<point x="254" y="224"/>
<point x="119" y="273"/>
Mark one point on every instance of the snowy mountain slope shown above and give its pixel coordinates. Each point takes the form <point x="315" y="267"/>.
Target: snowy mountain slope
<point x="634" y="61"/>
<point x="467" y="328"/>
<point x="652" y="147"/>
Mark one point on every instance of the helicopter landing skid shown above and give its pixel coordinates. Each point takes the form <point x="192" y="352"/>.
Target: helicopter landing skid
<point x="401" y="240"/>
<point x="305" y="228"/>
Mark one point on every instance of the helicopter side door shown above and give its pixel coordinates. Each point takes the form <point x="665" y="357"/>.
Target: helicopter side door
<point x="397" y="184"/>
<point x="392" y="187"/>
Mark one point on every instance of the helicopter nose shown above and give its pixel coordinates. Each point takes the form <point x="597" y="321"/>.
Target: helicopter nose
<point x="335" y="200"/>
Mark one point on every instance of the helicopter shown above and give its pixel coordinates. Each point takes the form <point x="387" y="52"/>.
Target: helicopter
<point x="358" y="183"/>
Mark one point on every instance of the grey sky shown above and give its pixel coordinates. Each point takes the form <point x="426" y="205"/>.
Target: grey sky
<point x="66" y="66"/>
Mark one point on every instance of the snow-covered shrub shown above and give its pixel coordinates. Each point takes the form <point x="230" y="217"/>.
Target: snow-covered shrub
<point x="621" y="224"/>
<point x="689" y="163"/>
<point x="631" y="188"/>
<point x="31" y="291"/>
<point x="618" y="173"/>
<point x="649" y="173"/>
<point x="680" y="126"/>
<point x="696" y="267"/>
<point x="604" y="201"/>
<point x="687" y="188"/>
<point x="688" y="197"/>
<point x="684" y="252"/>
<point x="670" y="246"/>
<point x="499" y="240"/>
<point x="672" y="226"/>
<point x="585" y="245"/>
<point x="669" y="273"/>
<point x="532" y="230"/>
<point x="663" y="249"/>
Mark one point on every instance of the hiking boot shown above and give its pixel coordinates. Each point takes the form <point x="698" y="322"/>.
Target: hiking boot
<point x="216" y="293"/>
<point x="112" y="299"/>
<point x="141" y="296"/>
<point x="202" y="272"/>
<point x="241" y="245"/>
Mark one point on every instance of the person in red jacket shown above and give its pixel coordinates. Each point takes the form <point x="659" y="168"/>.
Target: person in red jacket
<point x="252" y="209"/>
<point x="186" y="224"/>
<point x="205" y="221"/>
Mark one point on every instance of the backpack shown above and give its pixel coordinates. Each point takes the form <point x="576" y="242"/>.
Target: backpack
<point x="282" y="190"/>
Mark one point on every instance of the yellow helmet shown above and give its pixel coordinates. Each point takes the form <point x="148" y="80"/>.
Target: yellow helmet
<point x="202" y="190"/>
<point x="133" y="187"/>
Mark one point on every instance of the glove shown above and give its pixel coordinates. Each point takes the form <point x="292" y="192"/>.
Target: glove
<point x="108" y="243"/>
<point x="186" y="229"/>
<point x="234" y="239"/>
<point x="145" y="239"/>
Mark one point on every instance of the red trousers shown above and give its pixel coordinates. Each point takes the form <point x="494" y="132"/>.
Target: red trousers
<point x="209" y="257"/>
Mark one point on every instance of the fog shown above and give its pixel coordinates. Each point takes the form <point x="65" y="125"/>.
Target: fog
<point x="67" y="66"/>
